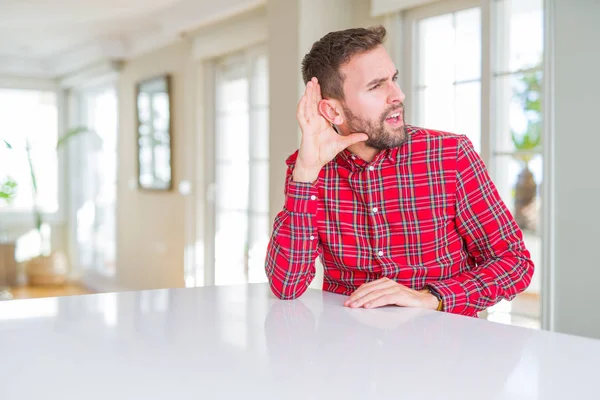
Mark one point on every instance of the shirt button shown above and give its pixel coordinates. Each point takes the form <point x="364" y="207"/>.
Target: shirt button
<point x="313" y="197"/>
<point x="380" y="253"/>
<point x="375" y="209"/>
<point x="312" y="237"/>
<point x="371" y="168"/>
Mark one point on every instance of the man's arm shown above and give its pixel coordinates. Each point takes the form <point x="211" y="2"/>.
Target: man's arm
<point x="294" y="244"/>
<point x="492" y="237"/>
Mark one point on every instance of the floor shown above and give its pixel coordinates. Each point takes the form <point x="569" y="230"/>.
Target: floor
<point x="30" y="292"/>
<point x="524" y="311"/>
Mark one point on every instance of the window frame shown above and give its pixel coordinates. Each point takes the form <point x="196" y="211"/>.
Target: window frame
<point x="490" y="151"/>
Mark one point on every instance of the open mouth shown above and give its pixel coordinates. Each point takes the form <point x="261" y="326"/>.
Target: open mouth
<point x="395" y="118"/>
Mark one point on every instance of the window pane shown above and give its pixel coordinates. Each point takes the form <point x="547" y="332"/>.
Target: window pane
<point x="230" y="247"/>
<point x="232" y="186"/>
<point x="232" y="95"/>
<point x="260" y="95"/>
<point x="95" y="197"/>
<point x="259" y="234"/>
<point x="232" y="141"/>
<point x="260" y="186"/>
<point x="241" y="153"/>
<point x="436" y="50"/>
<point x="519" y="183"/>
<point x="448" y="94"/>
<point x="518" y="112"/>
<point x="519" y="34"/>
<point x="468" y="44"/>
<point x="437" y="107"/>
<point x="468" y="112"/>
<point x="260" y="134"/>
<point x="29" y="116"/>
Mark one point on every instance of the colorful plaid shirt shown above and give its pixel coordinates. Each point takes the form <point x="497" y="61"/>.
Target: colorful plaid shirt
<point x="425" y="214"/>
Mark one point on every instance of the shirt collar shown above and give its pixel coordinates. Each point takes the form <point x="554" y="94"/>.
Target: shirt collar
<point x="390" y="155"/>
<point x="355" y="162"/>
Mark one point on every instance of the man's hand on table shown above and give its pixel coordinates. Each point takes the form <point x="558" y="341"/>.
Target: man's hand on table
<point x="385" y="291"/>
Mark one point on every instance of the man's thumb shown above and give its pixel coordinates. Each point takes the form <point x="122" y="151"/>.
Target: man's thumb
<point x="355" y="138"/>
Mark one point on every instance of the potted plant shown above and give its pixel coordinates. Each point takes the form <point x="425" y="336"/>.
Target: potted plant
<point x="49" y="267"/>
<point x="527" y="146"/>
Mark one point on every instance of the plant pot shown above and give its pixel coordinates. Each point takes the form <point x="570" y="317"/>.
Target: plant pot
<point x="525" y="200"/>
<point x="47" y="270"/>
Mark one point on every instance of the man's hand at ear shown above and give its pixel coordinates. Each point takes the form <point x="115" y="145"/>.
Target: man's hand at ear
<point x="320" y="142"/>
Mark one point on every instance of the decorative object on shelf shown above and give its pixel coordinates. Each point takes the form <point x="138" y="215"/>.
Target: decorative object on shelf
<point x="527" y="145"/>
<point x="154" y="151"/>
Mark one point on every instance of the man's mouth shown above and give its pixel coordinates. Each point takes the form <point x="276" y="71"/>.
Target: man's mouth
<point x="395" y="118"/>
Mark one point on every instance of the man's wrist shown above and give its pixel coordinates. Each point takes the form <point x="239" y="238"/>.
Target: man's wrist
<point x="305" y="175"/>
<point x="430" y="301"/>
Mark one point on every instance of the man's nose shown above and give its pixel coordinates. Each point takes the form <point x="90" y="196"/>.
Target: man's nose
<point x="396" y="94"/>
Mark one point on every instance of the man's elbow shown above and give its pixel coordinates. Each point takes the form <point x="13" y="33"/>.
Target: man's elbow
<point x="290" y="292"/>
<point x="526" y="273"/>
<point x="530" y="268"/>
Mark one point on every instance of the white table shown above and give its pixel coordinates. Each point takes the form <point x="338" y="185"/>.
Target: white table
<point x="240" y="342"/>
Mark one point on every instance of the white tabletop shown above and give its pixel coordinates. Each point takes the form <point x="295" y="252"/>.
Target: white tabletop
<point x="240" y="342"/>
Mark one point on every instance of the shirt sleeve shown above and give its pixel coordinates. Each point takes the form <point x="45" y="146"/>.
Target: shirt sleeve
<point x="294" y="244"/>
<point x="503" y="266"/>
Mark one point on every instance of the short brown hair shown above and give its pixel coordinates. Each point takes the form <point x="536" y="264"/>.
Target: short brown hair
<point x="334" y="50"/>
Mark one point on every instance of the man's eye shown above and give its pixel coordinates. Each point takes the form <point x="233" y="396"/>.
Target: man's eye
<point x="376" y="86"/>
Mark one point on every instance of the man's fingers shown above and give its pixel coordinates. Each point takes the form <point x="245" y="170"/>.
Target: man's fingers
<point x="364" y="288"/>
<point x="315" y="96"/>
<point x="300" y="113"/>
<point x="319" y="94"/>
<point x="308" y="111"/>
<point x="385" y="300"/>
<point x="386" y="293"/>
<point x="369" y="287"/>
<point x="349" y="140"/>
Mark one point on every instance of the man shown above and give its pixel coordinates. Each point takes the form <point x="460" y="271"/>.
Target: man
<point x="399" y="215"/>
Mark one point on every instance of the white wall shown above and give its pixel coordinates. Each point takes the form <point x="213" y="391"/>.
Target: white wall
<point x="577" y="183"/>
<point x="151" y="225"/>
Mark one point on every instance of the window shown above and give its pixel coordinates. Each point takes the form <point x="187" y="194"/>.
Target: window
<point x="448" y="42"/>
<point x="448" y="84"/>
<point x="241" y="168"/>
<point x="29" y="118"/>
<point x="95" y="192"/>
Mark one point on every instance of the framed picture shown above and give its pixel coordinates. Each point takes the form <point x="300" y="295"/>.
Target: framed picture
<point x="154" y="145"/>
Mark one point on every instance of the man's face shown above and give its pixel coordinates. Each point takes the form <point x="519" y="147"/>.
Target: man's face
<point x="373" y="101"/>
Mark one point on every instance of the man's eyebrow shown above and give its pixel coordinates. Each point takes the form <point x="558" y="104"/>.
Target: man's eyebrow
<point x="380" y="80"/>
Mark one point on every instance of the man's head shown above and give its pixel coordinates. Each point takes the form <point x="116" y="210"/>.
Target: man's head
<point x="358" y="85"/>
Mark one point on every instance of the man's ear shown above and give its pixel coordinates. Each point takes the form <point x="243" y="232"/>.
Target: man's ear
<point x="330" y="110"/>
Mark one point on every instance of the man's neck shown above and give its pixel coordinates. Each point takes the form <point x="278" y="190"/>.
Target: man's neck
<point x="363" y="151"/>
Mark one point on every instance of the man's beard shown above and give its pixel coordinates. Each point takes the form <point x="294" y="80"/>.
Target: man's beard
<point x="380" y="138"/>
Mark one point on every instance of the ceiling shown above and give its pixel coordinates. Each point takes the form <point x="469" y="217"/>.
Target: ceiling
<point x="51" y="38"/>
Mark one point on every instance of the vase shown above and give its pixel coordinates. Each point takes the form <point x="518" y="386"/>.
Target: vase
<point x="525" y="200"/>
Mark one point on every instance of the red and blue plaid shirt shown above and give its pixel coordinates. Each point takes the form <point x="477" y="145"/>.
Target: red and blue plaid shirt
<point x="425" y="214"/>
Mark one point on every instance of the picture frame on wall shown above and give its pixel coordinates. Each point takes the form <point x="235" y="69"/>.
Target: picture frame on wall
<point x="154" y="133"/>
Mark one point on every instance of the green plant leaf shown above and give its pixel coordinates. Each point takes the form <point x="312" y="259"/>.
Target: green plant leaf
<point x="8" y="189"/>
<point x="70" y="133"/>
<point x="7" y="144"/>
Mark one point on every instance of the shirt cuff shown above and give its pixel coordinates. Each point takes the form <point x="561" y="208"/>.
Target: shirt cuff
<point x="453" y="296"/>
<point x="302" y="197"/>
